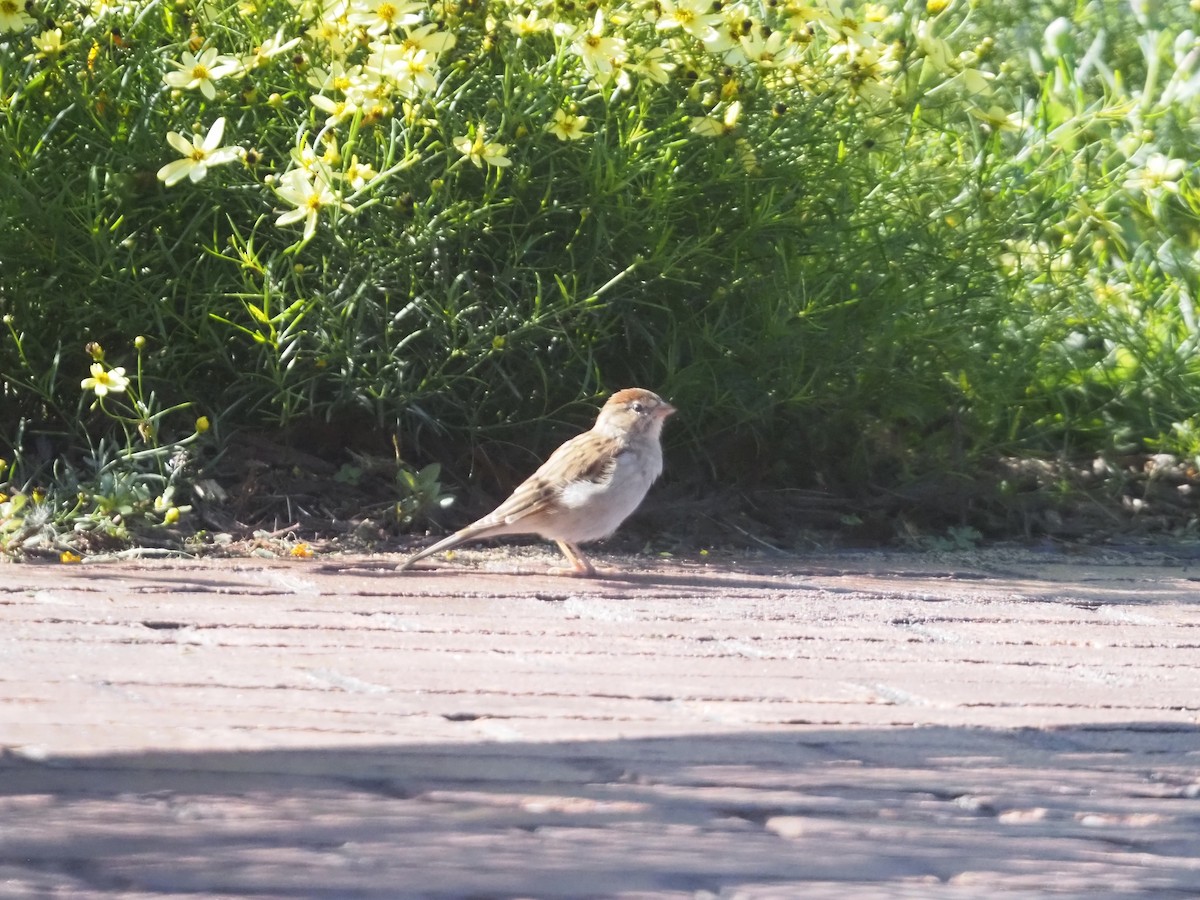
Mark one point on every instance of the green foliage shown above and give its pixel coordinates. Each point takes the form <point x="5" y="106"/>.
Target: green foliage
<point x="116" y="489"/>
<point x="853" y="244"/>
<point x="1110" y="243"/>
<point x="420" y="493"/>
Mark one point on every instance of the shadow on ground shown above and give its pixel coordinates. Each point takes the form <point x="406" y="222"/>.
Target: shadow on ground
<point x="1103" y="810"/>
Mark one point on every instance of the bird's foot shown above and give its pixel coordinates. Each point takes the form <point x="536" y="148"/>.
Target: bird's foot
<point x="581" y="566"/>
<point x="572" y="572"/>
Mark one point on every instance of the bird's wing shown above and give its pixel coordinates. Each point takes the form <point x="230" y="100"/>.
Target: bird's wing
<point x="586" y="457"/>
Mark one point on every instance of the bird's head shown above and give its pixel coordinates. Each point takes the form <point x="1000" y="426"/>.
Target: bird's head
<point x="634" y="411"/>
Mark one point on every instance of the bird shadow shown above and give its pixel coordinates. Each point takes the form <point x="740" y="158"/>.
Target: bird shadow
<point x="724" y="579"/>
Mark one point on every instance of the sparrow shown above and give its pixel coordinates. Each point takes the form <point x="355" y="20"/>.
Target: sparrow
<point x="586" y="488"/>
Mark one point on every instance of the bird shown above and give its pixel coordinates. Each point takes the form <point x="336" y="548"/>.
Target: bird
<point x="586" y="488"/>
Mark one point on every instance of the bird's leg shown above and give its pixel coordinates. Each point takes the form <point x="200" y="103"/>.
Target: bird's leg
<point x="581" y="567"/>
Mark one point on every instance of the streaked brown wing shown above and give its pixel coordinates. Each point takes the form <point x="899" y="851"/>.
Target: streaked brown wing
<point x="586" y="457"/>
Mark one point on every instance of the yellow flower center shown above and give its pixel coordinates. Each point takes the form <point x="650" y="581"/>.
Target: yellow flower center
<point x="386" y="11"/>
<point x="200" y="72"/>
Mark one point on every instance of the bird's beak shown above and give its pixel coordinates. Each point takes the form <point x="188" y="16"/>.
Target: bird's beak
<point x="666" y="410"/>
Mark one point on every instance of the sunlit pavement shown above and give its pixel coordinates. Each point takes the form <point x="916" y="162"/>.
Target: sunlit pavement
<point x="858" y="726"/>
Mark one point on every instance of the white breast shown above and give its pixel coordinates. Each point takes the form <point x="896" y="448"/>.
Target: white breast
<point x="591" y="511"/>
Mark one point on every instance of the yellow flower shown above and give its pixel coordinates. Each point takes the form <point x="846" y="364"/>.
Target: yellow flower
<point x="337" y="110"/>
<point x="306" y="158"/>
<point x="567" y="126"/>
<point x="866" y="69"/>
<point x="13" y="16"/>
<point x="68" y="557"/>
<point x="524" y="24"/>
<point x="310" y="192"/>
<point x="198" y="156"/>
<point x="171" y="516"/>
<point x="480" y="151"/>
<point x="801" y="14"/>
<point x="267" y="50"/>
<point x="332" y="30"/>
<point x="654" y="65"/>
<point x="338" y="78"/>
<point x="696" y="17"/>
<point x="48" y="44"/>
<point x="358" y="174"/>
<point x="331" y="156"/>
<point x="381" y="16"/>
<point x="412" y="69"/>
<point x="842" y="25"/>
<point x="600" y="54"/>
<point x="104" y="382"/>
<point x="707" y="126"/>
<point x="769" y="51"/>
<point x="429" y="38"/>
<point x="301" y="551"/>
<point x="414" y="115"/>
<point x="201" y="72"/>
<point x="202" y="425"/>
<point x="1160" y="173"/>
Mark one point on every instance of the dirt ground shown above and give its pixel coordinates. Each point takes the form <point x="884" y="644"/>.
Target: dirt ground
<point x="875" y="725"/>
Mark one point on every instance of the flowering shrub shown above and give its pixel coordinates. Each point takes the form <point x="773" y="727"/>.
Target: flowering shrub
<point x="1109" y="246"/>
<point x="811" y="223"/>
<point x="114" y="485"/>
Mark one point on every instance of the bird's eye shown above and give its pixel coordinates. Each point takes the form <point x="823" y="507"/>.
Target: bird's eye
<point x="638" y="407"/>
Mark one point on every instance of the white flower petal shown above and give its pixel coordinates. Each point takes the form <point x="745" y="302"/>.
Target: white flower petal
<point x="213" y="139"/>
<point x="310" y="227"/>
<point x="292" y="215"/>
<point x="223" y="155"/>
<point x="174" y="172"/>
<point x="180" y="143"/>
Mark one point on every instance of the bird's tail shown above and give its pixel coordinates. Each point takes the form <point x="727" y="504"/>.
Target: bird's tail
<point x="485" y="528"/>
<point x="446" y="543"/>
